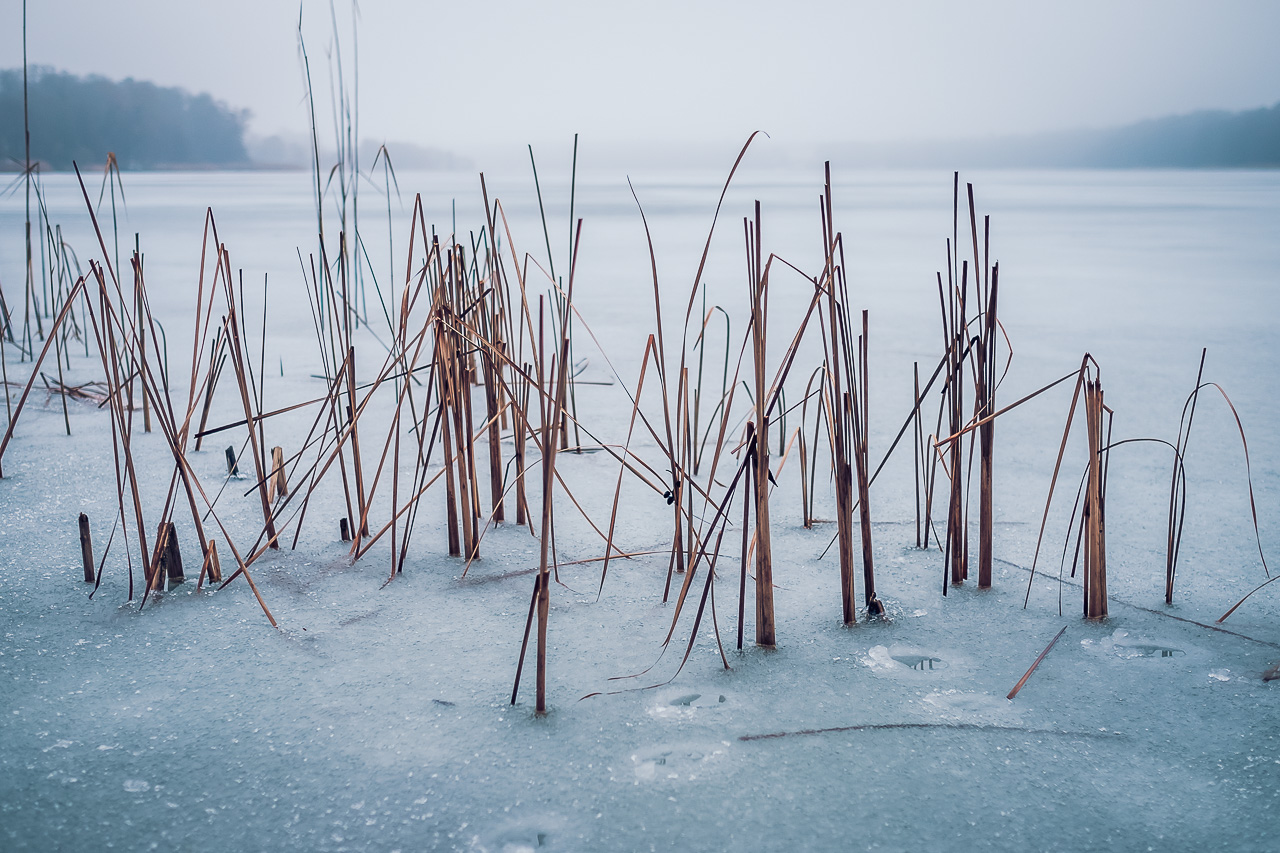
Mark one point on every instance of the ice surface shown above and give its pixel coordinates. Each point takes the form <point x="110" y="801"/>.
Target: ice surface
<point x="377" y="716"/>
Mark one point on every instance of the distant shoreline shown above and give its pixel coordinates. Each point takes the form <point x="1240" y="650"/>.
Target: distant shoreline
<point x="11" y="168"/>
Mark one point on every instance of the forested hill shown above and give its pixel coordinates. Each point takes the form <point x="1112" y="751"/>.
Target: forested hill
<point x="1209" y="139"/>
<point x="145" y="125"/>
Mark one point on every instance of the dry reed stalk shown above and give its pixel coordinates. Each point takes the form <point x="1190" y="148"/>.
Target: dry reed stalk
<point x="957" y="540"/>
<point x="1082" y="377"/>
<point x="758" y="281"/>
<point x="493" y="408"/>
<point x="35" y="368"/>
<point x="500" y="337"/>
<point x="451" y="486"/>
<point x="846" y="404"/>
<point x="520" y="424"/>
<point x="985" y="394"/>
<point x="201" y="329"/>
<point x="1022" y="681"/>
<point x="861" y="418"/>
<point x="26" y="142"/>
<point x="677" y="562"/>
<point x="552" y="406"/>
<point x="805" y="488"/>
<point x="454" y="369"/>
<point x="141" y="332"/>
<point x="238" y="363"/>
<point x="217" y="360"/>
<point x="649" y="349"/>
<point x="357" y="465"/>
<point x="1176" y="486"/>
<point x="1094" y="520"/>
<point x="748" y="463"/>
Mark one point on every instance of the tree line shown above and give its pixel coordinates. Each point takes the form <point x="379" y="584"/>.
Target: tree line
<point x="146" y="126"/>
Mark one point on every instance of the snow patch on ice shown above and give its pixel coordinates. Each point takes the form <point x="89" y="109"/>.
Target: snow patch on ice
<point x="676" y="761"/>
<point x="964" y="706"/>
<point x="1129" y="647"/>
<point x="536" y="833"/>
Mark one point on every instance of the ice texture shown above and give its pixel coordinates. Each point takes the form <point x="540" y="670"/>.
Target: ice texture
<point x="377" y="716"/>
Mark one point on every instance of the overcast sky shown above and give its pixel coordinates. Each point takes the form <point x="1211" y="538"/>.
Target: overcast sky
<point x="468" y="76"/>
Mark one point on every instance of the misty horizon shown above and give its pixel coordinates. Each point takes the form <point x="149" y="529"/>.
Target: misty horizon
<point x="699" y="76"/>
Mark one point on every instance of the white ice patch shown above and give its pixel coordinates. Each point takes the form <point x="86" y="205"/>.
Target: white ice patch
<point x="1220" y="674"/>
<point x="878" y="659"/>
<point x="136" y="786"/>
<point x="686" y="706"/>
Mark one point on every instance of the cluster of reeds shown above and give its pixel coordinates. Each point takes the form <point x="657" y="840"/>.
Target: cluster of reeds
<point x="704" y="499"/>
<point x="846" y="406"/>
<point x="970" y="329"/>
<point x="472" y="317"/>
<point x="131" y="349"/>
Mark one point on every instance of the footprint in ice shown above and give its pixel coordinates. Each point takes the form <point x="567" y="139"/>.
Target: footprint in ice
<point x="921" y="663"/>
<point x="676" y="761"/>
<point x="684" y="706"/>
<point x="1147" y="650"/>
<point x="536" y="834"/>
<point x="1127" y="647"/>
<point x="897" y="659"/>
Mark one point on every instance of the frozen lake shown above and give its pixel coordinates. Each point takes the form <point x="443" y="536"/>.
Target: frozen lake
<point x="377" y="717"/>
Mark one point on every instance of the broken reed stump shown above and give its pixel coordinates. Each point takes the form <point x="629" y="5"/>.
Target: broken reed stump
<point x="170" y="563"/>
<point x="86" y="549"/>
<point x="344" y="529"/>
<point x="233" y="470"/>
<point x="278" y="484"/>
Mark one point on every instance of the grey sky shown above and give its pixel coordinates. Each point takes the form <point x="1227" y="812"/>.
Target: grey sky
<point x="467" y="75"/>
